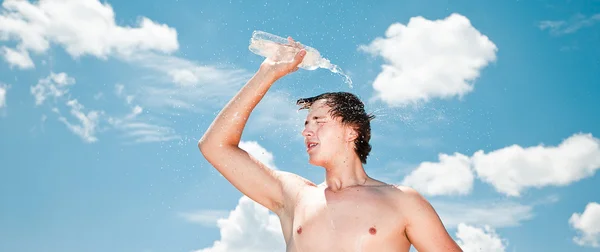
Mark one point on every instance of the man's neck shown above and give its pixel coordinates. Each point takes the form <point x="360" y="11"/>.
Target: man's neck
<point x="345" y="172"/>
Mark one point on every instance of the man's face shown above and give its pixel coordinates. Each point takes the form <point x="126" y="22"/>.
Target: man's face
<point x="323" y="135"/>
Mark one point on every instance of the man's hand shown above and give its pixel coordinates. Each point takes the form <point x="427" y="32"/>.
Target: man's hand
<point x="276" y="70"/>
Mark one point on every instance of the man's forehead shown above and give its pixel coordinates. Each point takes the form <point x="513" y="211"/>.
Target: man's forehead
<point x="319" y="105"/>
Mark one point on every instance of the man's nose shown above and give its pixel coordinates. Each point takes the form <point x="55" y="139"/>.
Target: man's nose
<point x="307" y="132"/>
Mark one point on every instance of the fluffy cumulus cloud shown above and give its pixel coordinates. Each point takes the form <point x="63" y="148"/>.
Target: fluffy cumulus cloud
<point x="84" y="27"/>
<point x="260" y="153"/>
<point x="511" y="169"/>
<point x="451" y="175"/>
<point x="248" y="228"/>
<point x="17" y="58"/>
<point x="428" y="59"/>
<point x="474" y="239"/>
<point x="588" y="225"/>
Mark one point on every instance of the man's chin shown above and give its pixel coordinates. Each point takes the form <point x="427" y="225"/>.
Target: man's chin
<point x="316" y="161"/>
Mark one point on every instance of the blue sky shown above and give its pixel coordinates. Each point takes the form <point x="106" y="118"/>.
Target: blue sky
<point x="490" y="110"/>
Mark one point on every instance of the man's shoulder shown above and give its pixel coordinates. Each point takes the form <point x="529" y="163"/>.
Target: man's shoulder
<point x="292" y="179"/>
<point x="293" y="184"/>
<point x="408" y="197"/>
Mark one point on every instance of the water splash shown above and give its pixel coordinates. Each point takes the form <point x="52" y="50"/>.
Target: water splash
<point x="337" y="70"/>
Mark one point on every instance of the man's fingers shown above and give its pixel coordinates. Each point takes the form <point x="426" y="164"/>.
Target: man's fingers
<point x="299" y="57"/>
<point x="293" y="43"/>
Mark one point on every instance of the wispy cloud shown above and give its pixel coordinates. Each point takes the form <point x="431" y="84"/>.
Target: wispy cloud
<point x="575" y="23"/>
<point x="137" y="131"/>
<point x="88" y="123"/>
<point x="54" y="86"/>
<point x="207" y="218"/>
<point x="175" y="83"/>
<point x="3" y="90"/>
<point x="495" y="214"/>
<point x="136" y="126"/>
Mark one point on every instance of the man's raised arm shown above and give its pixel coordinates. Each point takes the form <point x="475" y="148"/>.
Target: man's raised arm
<point x="219" y="145"/>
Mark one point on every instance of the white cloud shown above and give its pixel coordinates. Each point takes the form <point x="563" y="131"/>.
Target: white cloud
<point x="258" y="152"/>
<point x="473" y="239"/>
<point x="137" y="130"/>
<point x="86" y="127"/>
<point x="135" y="111"/>
<point x="452" y="175"/>
<point x="496" y="214"/>
<point x="588" y="225"/>
<point x="429" y="59"/>
<point x="119" y="89"/>
<point x="55" y="86"/>
<point x="3" y="89"/>
<point x="249" y="228"/>
<point x="512" y="169"/>
<point x="85" y="27"/>
<point x="19" y="58"/>
<point x="197" y="86"/>
<point x="205" y="217"/>
<point x="136" y="127"/>
<point x="561" y="27"/>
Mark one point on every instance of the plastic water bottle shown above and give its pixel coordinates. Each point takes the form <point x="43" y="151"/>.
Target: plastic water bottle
<point x="279" y="49"/>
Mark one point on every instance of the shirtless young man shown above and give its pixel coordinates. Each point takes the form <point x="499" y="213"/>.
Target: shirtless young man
<point x="349" y="211"/>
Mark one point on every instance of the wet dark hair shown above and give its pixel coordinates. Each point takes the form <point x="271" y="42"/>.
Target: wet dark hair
<point x="351" y="110"/>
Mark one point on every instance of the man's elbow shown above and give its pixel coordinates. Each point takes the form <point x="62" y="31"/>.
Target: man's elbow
<point x="204" y="145"/>
<point x="213" y="147"/>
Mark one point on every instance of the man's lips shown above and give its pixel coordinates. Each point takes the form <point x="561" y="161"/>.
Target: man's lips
<point x="311" y="145"/>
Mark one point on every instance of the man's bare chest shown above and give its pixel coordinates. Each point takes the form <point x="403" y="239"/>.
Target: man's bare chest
<point x="353" y="223"/>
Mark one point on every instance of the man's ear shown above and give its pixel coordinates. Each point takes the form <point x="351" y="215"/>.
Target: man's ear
<point x="352" y="135"/>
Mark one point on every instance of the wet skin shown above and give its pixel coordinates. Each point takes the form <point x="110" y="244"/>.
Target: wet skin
<point x="349" y="211"/>
<point x="356" y="219"/>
